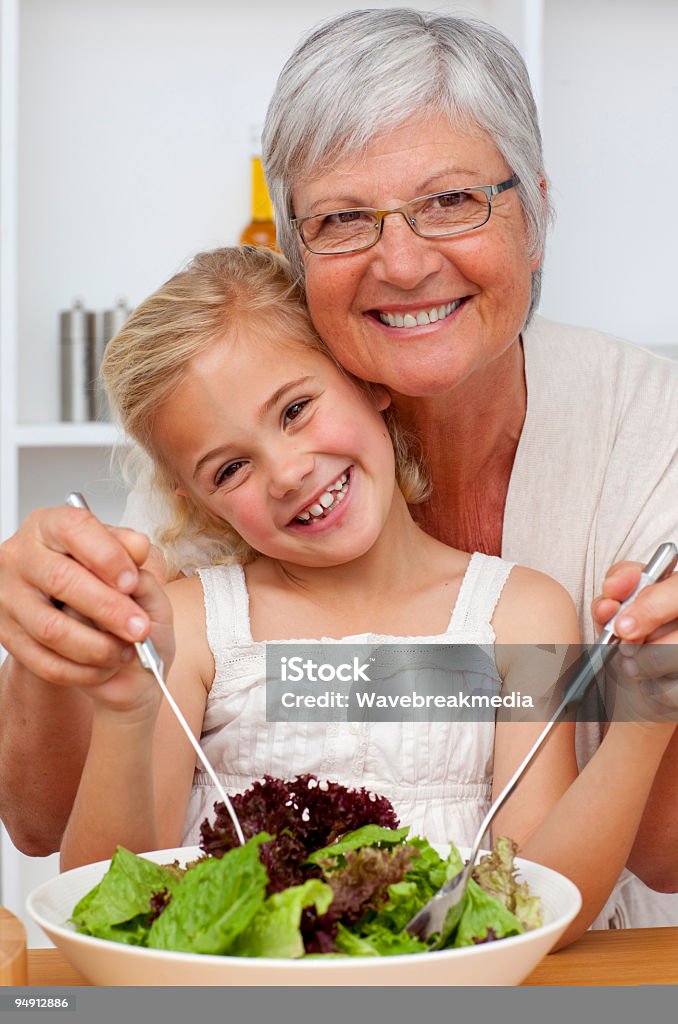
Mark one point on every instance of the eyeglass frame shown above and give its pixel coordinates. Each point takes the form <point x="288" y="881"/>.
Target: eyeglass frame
<point x="490" y="192"/>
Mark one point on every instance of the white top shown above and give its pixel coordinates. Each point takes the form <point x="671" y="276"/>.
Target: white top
<point x="438" y="775"/>
<point x="595" y="480"/>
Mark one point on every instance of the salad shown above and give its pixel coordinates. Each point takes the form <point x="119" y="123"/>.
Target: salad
<point x="327" y="871"/>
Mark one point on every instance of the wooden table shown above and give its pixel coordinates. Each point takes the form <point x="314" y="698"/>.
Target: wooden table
<point x="12" y="950"/>
<point x="636" y="956"/>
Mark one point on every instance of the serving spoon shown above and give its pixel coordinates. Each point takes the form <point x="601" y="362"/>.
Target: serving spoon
<point x="152" y="662"/>
<point x="443" y="911"/>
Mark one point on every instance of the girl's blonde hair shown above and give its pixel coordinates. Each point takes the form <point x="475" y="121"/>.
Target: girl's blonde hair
<point x="145" y="362"/>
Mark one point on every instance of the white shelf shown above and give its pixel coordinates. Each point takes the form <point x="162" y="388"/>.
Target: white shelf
<point x="67" y="435"/>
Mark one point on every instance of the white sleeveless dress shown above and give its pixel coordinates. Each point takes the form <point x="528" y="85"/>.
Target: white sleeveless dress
<point x="438" y="775"/>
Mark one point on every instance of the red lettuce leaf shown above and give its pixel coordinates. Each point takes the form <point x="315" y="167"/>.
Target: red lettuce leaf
<point x="303" y="814"/>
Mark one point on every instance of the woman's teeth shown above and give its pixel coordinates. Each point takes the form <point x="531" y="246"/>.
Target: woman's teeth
<point x="326" y="501"/>
<point x="421" y="317"/>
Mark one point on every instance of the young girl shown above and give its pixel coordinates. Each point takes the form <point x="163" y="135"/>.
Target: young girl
<point x="266" y="446"/>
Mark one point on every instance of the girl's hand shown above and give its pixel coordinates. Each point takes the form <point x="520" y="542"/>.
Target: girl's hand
<point x="647" y="659"/>
<point x="132" y="690"/>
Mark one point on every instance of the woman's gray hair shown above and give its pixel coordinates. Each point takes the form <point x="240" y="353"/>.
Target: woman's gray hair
<point x="368" y="71"/>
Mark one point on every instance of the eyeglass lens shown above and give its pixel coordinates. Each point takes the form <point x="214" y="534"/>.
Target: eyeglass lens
<point x="442" y="214"/>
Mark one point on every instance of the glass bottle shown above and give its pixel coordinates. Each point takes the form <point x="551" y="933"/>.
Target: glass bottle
<point x="261" y="228"/>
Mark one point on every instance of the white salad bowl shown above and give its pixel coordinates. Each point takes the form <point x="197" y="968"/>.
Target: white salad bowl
<point x="503" y="962"/>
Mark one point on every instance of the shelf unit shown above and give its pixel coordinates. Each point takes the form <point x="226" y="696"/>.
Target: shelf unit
<point x="124" y="149"/>
<point x="66" y="435"/>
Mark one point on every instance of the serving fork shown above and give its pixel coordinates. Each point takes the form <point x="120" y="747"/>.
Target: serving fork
<point x="152" y="662"/>
<point x="443" y="911"/>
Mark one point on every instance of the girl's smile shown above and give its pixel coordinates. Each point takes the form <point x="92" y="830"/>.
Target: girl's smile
<point x="273" y="438"/>
<point x="328" y="505"/>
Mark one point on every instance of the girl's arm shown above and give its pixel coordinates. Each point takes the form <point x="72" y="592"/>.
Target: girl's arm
<point x="139" y="769"/>
<point x="582" y="825"/>
<point x="654" y="856"/>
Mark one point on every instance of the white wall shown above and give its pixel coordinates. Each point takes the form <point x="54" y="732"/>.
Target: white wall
<point x="134" y="120"/>
<point x="134" y="147"/>
<point x="610" y="120"/>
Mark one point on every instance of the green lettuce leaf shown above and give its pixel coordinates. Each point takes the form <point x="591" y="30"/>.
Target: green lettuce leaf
<point x="381" y="933"/>
<point x="377" y="940"/>
<point x="119" y="907"/>
<point x="275" y="928"/>
<point x="374" y="880"/>
<point x="368" y="835"/>
<point x="483" y="919"/>
<point x="214" y="903"/>
<point x="527" y="907"/>
<point x="426" y="874"/>
<point x="496" y="874"/>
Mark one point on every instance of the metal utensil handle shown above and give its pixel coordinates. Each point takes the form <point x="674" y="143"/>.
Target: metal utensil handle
<point x="152" y="662"/>
<point x="660" y="565"/>
<point x="145" y="649"/>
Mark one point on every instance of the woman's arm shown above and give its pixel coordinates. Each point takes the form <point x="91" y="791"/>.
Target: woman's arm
<point x="43" y="745"/>
<point x="581" y="825"/>
<point x="67" y="554"/>
<point x="139" y="769"/>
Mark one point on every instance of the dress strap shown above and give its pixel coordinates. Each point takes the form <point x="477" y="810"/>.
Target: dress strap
<point x="480" y="591"/>
<point x="226" y="606"/>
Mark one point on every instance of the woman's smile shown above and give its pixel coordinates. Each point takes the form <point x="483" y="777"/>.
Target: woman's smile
<point x="414" y="316"/>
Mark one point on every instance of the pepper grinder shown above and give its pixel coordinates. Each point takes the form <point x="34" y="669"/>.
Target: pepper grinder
<point x="112" y="321"/>
<point x="75" y="364"/>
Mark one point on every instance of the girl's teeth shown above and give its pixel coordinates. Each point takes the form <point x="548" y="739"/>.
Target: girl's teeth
<point x="326" y="500"/>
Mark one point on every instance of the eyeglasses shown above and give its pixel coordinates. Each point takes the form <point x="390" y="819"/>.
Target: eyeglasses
<point x="436" y="216"/>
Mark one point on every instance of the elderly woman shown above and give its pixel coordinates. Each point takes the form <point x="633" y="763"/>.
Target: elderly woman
<point x="404" y="159"/>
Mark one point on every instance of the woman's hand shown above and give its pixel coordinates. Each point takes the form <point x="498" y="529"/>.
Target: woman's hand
<point x="648" y="628"/>
<point x="68" y="555"/>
